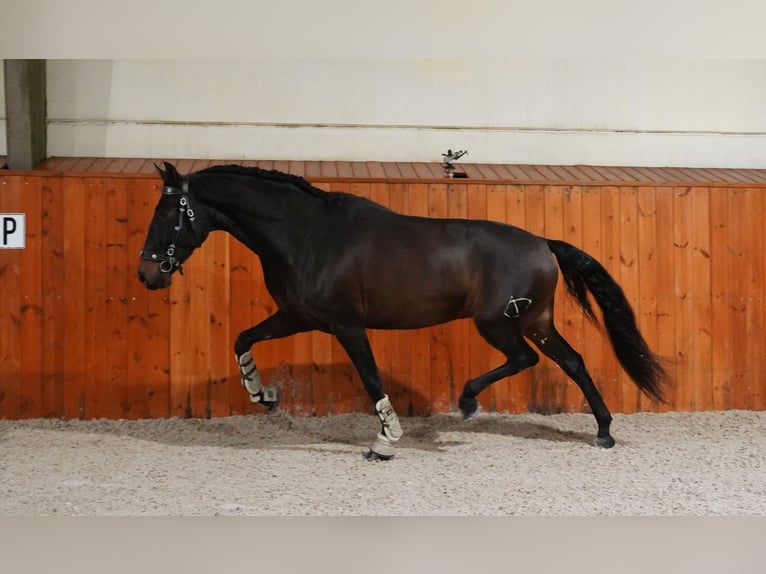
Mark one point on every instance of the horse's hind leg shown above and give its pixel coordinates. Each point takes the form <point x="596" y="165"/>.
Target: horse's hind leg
<point x="504" y="337"/>
<point x="550" y="342"/>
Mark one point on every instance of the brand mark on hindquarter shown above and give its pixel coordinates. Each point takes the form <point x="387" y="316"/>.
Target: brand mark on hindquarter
<point x="516" y="306"/>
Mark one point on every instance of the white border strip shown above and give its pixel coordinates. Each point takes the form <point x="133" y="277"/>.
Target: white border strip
<point x="403" y="143"/>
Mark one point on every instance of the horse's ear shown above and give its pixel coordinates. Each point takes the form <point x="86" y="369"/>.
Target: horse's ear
<point x="160" y="171"/>
<point x="169" y="175"/>
<point x="172" y="173"/>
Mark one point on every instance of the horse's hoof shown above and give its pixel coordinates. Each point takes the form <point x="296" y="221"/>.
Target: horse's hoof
<point x="374" y="456"/>
<point x="468" y="407"/>
<point x="604" y="442"/>
<point x="270" y="398"/>
<point x="271" y="406"/>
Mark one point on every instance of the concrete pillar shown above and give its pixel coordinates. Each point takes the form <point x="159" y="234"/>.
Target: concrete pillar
<point x="25" y="112"/>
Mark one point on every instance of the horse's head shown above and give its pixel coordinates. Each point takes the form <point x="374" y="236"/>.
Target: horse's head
<point x="178" y="227"/>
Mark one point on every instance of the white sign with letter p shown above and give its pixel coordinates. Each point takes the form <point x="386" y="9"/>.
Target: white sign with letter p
<point x="12" y="230"/>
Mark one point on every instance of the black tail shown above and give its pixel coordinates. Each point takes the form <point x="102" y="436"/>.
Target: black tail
<point x="582" y="273"/>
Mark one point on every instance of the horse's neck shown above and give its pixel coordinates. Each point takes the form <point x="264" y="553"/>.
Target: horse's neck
<point x="270" y="225"/>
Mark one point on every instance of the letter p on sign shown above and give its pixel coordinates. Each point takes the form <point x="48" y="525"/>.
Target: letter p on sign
<point x="12" y="230"/>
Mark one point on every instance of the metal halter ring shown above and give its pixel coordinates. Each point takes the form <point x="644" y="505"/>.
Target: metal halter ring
<point x="167" y="265"/>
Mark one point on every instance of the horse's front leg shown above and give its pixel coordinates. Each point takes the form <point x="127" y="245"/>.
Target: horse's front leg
<point x="274" y="327"/>
<point x="357" y="346"/>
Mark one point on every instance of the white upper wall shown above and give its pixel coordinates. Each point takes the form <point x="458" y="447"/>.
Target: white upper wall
<point x="3" y="143"/>
<point x="656" y="112"/>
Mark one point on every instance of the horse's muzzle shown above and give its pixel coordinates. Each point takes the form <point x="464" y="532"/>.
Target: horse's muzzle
<point x="153" y="278"/>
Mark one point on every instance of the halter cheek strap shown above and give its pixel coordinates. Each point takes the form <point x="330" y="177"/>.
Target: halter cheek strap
<point x="168" y="262"/>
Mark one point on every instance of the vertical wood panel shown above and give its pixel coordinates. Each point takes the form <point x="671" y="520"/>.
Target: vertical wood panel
<point x="55" y="330"/>
<point x="31" y="302"/>
<point x="739" y="218"/>
<point x="10" y="316"/>
<point x="702" y="389"/>
<point x="720" y="292"/>
<point x="140" y="325"/>
<point x="758" y="334"/>
<point x="754" y="314"/>
<point x="97" y="395"/>
<point x="74" y="295"/>
<point x="120" y="391"/>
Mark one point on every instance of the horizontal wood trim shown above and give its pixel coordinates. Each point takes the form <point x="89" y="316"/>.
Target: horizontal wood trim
<point x="411" y="172"/>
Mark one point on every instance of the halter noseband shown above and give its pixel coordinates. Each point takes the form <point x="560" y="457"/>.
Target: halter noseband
<point x="168" y="262"/>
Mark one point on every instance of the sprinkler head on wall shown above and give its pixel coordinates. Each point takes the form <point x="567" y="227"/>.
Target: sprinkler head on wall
<point x="449" y="157"/>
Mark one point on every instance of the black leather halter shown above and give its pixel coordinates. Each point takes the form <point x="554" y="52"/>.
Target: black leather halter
<point x="167" y="260"/>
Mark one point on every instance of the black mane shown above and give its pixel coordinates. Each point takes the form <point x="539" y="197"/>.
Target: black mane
<point x="269" y="174"/>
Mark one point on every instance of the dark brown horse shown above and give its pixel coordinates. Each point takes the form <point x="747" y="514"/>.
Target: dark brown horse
<point x="342" y="264"/>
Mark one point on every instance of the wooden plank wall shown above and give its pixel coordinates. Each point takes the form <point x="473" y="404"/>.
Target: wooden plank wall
<point x="81" y="338"/>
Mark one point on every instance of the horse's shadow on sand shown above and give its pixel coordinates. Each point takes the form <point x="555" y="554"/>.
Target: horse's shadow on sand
<point x="426" y="433"/>
<point x="281" y="431"/>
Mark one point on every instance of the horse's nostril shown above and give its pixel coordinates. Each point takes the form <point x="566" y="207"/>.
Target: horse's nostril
<point x="141" y="277"/>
